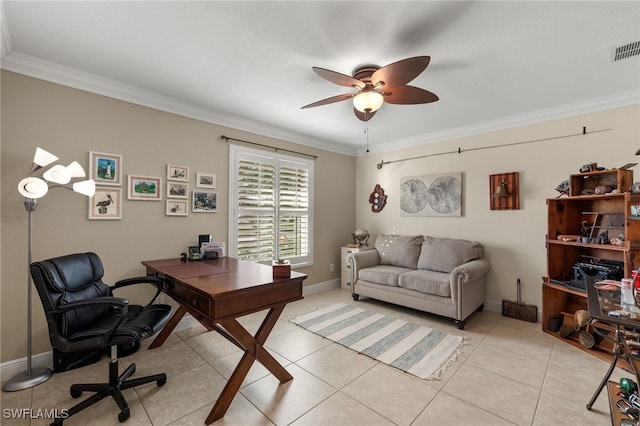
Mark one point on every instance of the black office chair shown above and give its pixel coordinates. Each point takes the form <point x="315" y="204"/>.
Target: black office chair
<point x="84" y="317"/>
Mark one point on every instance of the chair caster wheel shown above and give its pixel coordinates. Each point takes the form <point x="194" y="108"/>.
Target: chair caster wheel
<point x="355" y="297"/>
<point x="124" y="415"/>
<point x="161" y="382"/>
<point x="75" y="393"/>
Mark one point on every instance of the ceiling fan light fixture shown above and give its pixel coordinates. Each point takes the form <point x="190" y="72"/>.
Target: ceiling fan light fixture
<point x="368" y="101"/>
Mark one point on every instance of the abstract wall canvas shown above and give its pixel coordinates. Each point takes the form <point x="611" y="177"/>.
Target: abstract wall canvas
<point x="431" y="195"/>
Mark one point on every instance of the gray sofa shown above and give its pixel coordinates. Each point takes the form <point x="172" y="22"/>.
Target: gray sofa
<point x="442" y="276"/>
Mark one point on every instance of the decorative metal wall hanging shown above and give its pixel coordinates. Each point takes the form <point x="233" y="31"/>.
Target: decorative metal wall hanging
<point x="504" y="191"/>
<point x="377" y="199"/>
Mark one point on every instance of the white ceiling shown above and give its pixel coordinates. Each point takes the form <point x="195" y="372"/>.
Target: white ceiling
<point x="247" y="65"/>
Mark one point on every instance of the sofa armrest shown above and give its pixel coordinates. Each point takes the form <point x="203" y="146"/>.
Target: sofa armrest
<point x="469" y="272"/>
<point x="361" y="260"/>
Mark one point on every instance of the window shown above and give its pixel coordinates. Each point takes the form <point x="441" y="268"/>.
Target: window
<point x="271" y="206"/>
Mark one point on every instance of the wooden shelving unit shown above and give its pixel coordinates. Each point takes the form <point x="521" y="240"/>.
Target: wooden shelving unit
<point x="592" y="214"/>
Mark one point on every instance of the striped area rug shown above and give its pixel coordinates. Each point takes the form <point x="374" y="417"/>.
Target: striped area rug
<point x="421" y="351"/>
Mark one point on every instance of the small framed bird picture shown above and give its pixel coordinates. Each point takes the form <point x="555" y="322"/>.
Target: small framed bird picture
<point x="106" y="203"/>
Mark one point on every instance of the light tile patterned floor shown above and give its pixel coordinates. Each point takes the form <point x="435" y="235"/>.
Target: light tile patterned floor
<point x="509" y="373"/>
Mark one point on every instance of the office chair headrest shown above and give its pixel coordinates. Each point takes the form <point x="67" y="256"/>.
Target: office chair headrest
<point x="72" y="272"/>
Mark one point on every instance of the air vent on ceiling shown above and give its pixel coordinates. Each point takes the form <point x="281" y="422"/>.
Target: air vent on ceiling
<point x="618" y="53"/>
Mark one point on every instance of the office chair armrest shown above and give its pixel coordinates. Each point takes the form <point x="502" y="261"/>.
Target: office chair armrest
<point x="122" y="306"/>
<point x="150" y="279"/>
<point x="118" y="302"/>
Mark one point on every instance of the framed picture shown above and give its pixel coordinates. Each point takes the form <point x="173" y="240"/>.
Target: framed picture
<point x="177" y="189"/>
<point x="177" y="173"/>
<point x="205" y="180"/>
<point x="177" y="207"/>
<point x="144" y="188"/>
<point x="106" y="203"/>
<point x="431" y="195"/>
<point x="204" y="202"/>
<point x="105" y="169"/>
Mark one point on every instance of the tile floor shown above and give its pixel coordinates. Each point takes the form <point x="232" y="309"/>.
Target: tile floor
<point x="509" y="373"/>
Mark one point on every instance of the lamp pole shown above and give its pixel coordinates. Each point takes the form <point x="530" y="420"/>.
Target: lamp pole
<point x="33" y="376"/>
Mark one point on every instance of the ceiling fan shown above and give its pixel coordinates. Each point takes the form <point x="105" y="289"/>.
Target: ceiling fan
<point x="378" y="85"/>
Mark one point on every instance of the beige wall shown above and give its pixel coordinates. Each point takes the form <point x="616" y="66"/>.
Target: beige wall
<point x="70" y="123"/>
<point x="514" y="240"/>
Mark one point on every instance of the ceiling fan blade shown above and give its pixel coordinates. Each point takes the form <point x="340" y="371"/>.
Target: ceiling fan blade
<point x="405" y="95"/>
<point x="330" y="100"/>
<point x="338" y="78"/>
<point x="363" y="116"/>
<point x="401" y="72"/>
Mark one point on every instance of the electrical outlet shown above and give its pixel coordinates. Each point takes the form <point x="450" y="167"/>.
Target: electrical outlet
<point x="159" y="299"/>
<point x="331" y="267"/>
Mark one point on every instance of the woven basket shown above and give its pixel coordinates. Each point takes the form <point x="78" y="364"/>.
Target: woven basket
<point x="519" y="310"/>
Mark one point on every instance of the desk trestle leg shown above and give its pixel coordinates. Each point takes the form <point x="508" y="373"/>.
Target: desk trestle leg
<point x="254" y="350"/>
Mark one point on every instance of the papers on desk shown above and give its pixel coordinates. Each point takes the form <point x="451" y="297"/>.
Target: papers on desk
<point x="212" y="247"/>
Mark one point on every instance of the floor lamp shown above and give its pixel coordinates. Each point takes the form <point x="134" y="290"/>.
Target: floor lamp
<point x="32" y="188"/>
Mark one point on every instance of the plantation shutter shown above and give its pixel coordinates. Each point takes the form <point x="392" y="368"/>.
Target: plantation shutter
<point x="293" y="215"/>
<point x="271" y="201"/>
<point x="256" y="210"/>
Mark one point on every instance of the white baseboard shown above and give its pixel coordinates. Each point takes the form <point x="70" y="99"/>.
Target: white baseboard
<point x="493" y="306"/>
<point x="14" y="367"/>
<point x="320" y="287"/>
<point x="11" y="368"/>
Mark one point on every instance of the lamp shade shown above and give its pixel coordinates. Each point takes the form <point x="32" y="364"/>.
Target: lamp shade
<point x="32" y="187"/>
<point x="85" y="187"/>
<point x="368" y="101"/>
<point x="58" y="174"/>
<point x="43" y="158"/>
<point x="75" y="170"/>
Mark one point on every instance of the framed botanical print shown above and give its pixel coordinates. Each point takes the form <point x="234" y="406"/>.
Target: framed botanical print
<point x="106" y="204"/>
<point x="180" y="173"/>
<point x="144" y="188"/>
<point x="105" y="169"/>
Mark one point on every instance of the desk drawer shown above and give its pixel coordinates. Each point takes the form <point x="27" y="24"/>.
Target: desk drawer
<point x="177" y="291"/>
<point x="257" y="299"/>
<point x="188" y="297"/>
<point x="200" y="302"/>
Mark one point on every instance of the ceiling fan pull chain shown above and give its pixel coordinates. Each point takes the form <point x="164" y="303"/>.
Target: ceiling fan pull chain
<point x="366" y="131"/>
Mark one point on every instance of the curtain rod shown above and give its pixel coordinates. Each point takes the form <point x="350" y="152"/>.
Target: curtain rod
<point x="226" y="138"/>
<point x="460" y="150"/>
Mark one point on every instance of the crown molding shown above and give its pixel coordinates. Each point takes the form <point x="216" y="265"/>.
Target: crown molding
<point x="616" y="100"/>
<point x="55" y="73"/>
<point x="35" y="67"/>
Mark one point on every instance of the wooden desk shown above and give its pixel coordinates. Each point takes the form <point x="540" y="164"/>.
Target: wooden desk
<point x="216" y="293"/>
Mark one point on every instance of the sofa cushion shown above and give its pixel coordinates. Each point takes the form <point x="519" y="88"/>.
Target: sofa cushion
<point x="445" y="254"/>
<point x="430" y="282"/>
<point x="382" y="274"/>
<point x="399" y="250"/>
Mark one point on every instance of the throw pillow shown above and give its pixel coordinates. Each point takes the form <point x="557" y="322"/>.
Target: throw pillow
<point x="399" y="250"/>
<point x="445" y="254"/>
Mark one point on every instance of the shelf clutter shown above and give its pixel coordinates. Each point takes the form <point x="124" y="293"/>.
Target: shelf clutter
<point x="594" y="231"/>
